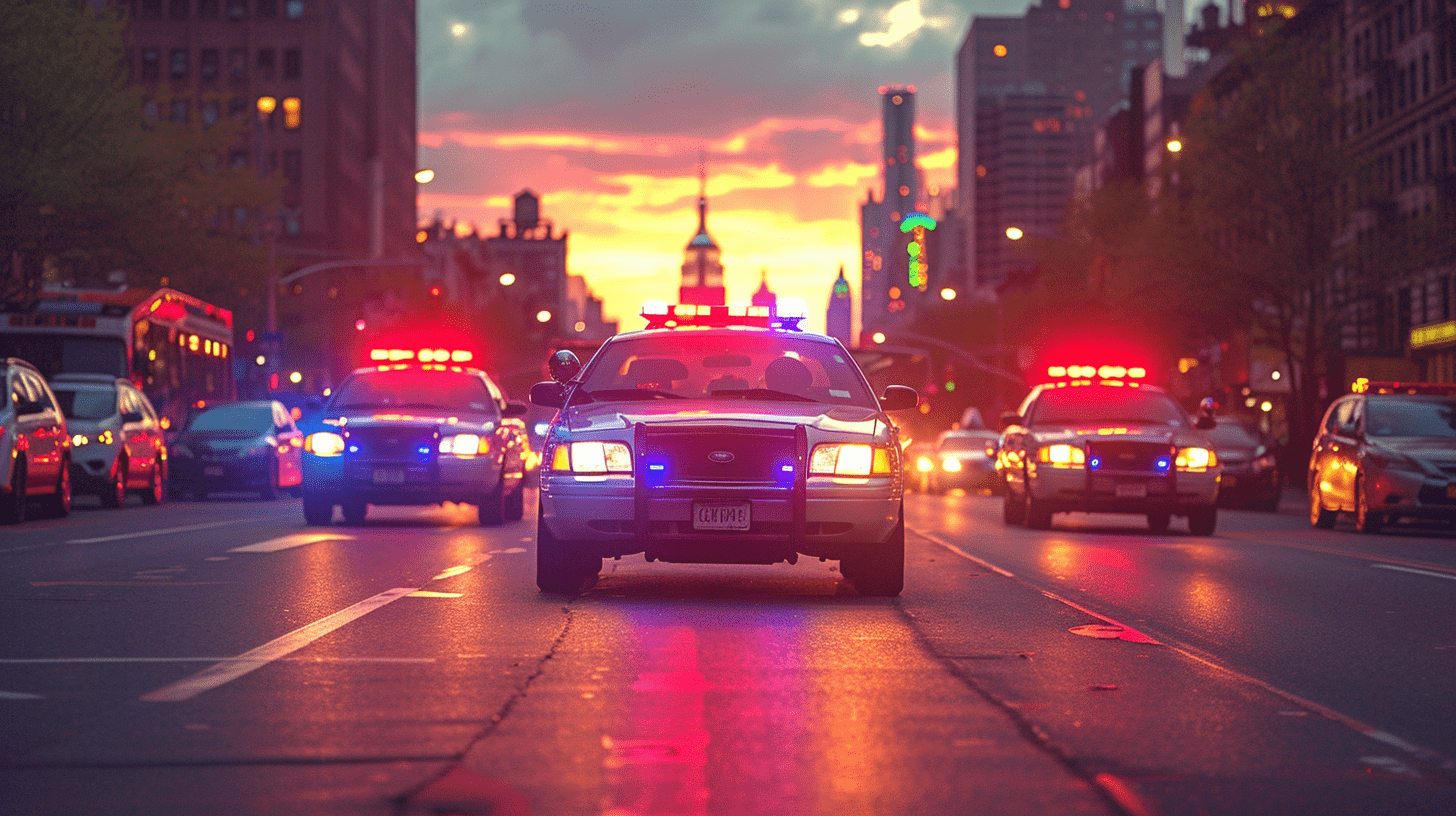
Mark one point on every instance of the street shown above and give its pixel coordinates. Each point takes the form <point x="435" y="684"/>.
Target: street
<point x="222" y="658"/>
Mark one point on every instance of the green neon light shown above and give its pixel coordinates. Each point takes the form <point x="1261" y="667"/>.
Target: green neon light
<point x="917" y="219"/>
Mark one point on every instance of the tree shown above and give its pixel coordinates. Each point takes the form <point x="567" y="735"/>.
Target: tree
<point x="89" y="184"/>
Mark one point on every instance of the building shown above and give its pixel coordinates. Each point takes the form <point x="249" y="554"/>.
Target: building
<point x="885" y="300"/>
<point x="1028" y="92"/>
<point x="839" y="318"/>
<point x="702" y="268"/>
<point x="528" y="255"/>
<point x="764" y="296"/>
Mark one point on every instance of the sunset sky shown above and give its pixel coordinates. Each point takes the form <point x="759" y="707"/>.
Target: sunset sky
<point x="602" y="108"/>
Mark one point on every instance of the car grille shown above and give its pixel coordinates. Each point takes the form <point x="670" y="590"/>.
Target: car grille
<point x="758" y="457"/>
<point x="1125" y="456"/>
<point x="385" y="444"/>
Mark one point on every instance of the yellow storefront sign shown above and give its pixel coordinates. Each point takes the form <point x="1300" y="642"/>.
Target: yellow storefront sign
<point x="1433" y="334"/>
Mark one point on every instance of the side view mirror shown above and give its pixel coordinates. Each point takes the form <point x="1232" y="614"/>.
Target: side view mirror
<point x="564" y="366"/>
<point x="515" y="408"/>
<point x="1010" y="418"/>
<point x="548" y="394"/>
<point x="898" y="398"/>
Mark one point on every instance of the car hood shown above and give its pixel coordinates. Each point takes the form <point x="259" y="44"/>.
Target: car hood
<point x="1128" y="432"/>
<point x="222" y="441"/>
<point x="1435" y="451"/>
<point x="685" y="414"/>
<point x="418" y="419"/>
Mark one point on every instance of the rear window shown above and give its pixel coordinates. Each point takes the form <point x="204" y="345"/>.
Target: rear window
<point x="1429" y="417"/>
<point x="691" y="364"/>
<point x="968" y="442"/>
<point x="1234" y="434"/>
<point x="86" y="403"/>
<point x="413" y="389"/>
<point x="1111" y="404"/>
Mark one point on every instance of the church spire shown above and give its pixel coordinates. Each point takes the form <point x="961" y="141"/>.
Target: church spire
<point x="702" y="272"/>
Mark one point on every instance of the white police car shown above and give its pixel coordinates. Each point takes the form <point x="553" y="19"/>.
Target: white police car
<point x="1098" y="439"/>
<point x="720" y="435"/>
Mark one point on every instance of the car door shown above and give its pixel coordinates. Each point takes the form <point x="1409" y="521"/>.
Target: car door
<point x="46" y="428"/>
<point x="139" y="437"/>
<point x="1012" y="450"/>
<point x="290" y="447"/>
<point x="1335" y="454"/>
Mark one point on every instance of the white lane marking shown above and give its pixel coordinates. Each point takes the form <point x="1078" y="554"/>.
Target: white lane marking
<point x="19" y="695"/>
<point x="452" y="572"/>
<point x="512" y="550"/>
<point x="290" y="541"/>
<point x="1415" y="571"/>
<point x="425" y="593"/>
<point x="227" y="671"/>
<point x="166" y="531"/>
<point x="962" y="553"/>
<point x="26" y="661"/>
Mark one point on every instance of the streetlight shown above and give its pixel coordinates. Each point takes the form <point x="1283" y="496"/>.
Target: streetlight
<point x="543" y="316"/>
<point x="507" y="279"/>
<point x="1014" y="233"/>
<point x="947" y="294"/>
<point x="878" y="337"/>
<point x="424" y="176"/>
<point x="1175" y="144"/>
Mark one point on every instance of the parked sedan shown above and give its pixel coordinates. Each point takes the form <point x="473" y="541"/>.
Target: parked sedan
<point x="116" y="438"/>
<point x="34" y="445"/>
<point x="1250" y="465"/>
<point x="238" y="446"/>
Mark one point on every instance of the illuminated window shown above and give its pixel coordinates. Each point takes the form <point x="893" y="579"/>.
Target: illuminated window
<point x="999" y="50"/>
<point x="292" y="113"/>
<point x="178" y="63"/>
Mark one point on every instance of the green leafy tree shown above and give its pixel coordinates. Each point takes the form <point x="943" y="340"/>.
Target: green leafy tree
<point x="89" y="184"/>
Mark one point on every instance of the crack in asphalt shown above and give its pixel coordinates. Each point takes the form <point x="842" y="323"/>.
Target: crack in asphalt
<point x="402" y="802"/>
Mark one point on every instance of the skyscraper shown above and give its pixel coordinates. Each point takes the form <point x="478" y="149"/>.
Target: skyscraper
<point x="885" y="268"/>
<point x="1029" y="94"/>
<point x="839" y="318"/>
<point x="702" y="271"/>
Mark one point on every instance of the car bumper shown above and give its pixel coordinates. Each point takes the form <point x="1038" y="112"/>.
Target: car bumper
<point x="1411" y="495"/>
<point x="971" y="475"/>
<point x="608" y="516"/>
<point x="91" y="467"/>
<point x="222" y="475"/>
<point x="433" y="481"/>
<point x="1078" y="490"/>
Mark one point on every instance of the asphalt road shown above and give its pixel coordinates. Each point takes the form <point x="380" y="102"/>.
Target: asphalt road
<point x="221" y="658"/>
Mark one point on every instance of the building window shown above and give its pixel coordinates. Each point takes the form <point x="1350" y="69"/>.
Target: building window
<point x="151" y="10"/>
<point x="237" y="9"/>
<point x="293" y="165"/>
<point x="292" y="63"/>
<point x="238" y="159"/>
<point x="177" y="64"/>
<point x="179" y="9"/>
<point x="237" y="106"/>
<point x="208" y="9"/>
<point x="209" y="63"/>
<point x="267" y="9"/>
<point x="179" y="110"/>
<point x="265" y="63"/>
<point x="292" y="113"/>
<point x="209" y="111"/>
<point x="293" y="9"/>
<point x="238" y="64"/>
<point x="151" y="64"/>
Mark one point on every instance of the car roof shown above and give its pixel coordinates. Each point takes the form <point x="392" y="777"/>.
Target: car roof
<point x="86" y="379"/>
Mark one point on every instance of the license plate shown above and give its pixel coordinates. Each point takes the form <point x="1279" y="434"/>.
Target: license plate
<point x="721" y="515"/>
<point x="1131" y="491"/>
<point x="388" y="476"/>
<point x="212" y="471"/>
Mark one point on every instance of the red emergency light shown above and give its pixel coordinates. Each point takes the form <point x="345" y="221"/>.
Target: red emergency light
<point x="424" y="355"/>
<point x="787" y="315"/>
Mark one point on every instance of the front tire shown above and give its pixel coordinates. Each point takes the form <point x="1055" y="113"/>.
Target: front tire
<point x="58" y="504"/>
<point x="558" y="569"/>
<point x="1203" y="521"/>
<point x="879" y="572"/>
<point x="515" y="508"/>
<point x="319" y="511"/>
<point x="269" y="492"/>
<point x="1013" y="509"/>
<point x="1318" y="515"/>
<point x="355" y="511"/>
<point x="13" y="509"/>
<point x="1366" y="520"/>
<point x="155" y="490"/>
<point x="114" y="494"/>
<point x="1158" y="522"/>
<point x="1038" y="515"/>
<point x="493" y="505"/>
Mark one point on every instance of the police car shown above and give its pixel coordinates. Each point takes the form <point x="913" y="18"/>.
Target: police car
<point x="720" y="435"/>
<point x="1100" y="439"/>
<point x="419" y="427"/>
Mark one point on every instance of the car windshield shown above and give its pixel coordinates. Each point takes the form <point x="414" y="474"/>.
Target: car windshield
<point x="1234" y="435"/>
<point x="412" y="389"/>
<point x="967" y="442"/>
<point x="689" y="364"/>
<point x="86" y="403"/>
<point x="1083" y="404"/>
<point x="255" y="418"/>
<point x="1404" y="416"/>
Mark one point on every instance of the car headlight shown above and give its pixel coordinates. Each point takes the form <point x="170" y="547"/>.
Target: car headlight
<point x="924" y="465"/>
<point x="464" y="445"/>
<point x="950" y="464"/>
<point x="324" y="443"/>
<point x="848" y="459"/>
<point x="78" y="440"/>
<point x="1062" y="456"/>
<point x="592" y="457"/>
<point x="1195" y="460"/>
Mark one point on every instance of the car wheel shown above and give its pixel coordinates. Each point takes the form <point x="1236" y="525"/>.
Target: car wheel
<point x="1268" y="504"/>
<point x="493" y="505"/>
<point x="114" y="494"/>
<point x="515" y="509"/>
<point x="270" y="488"/>
<point x="12" y="511"/>
<point x="1013" y="509"/>
<point x="880" y="570"/>
<point x="319" y="511"/>
<point x="355" y="510"/>
<point x="1038" y="515"/>
<point x="58" y="504"/>
<point x="1158" y="522"/>
<point x="1203" y="520"/>
<point x="1318" y="515"/>
<point x="155" y="489"/>
<point x="1366" y="520"/>
<point x="558" y="568"/>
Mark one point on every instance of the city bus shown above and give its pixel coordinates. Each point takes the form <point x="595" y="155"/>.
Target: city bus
<point x="176" y="348"/>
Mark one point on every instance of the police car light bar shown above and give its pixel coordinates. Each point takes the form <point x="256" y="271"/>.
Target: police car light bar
<point x="424" y="355"/>
<point x="1087" y="372"/>
<point x="787" y="315"/>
